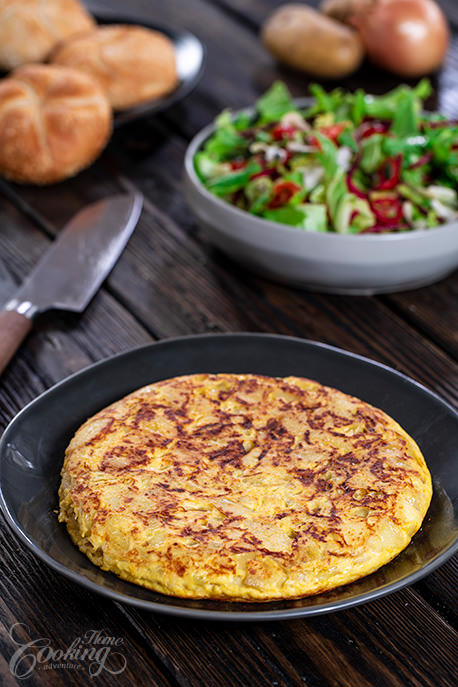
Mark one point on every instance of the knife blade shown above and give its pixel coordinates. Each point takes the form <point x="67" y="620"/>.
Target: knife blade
<point x="74" y="267"/>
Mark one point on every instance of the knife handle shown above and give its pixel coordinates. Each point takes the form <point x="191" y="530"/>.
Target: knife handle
<point x="14" y="327"/>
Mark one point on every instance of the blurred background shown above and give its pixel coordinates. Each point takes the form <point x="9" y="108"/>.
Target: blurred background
<point x="238" y="62"/>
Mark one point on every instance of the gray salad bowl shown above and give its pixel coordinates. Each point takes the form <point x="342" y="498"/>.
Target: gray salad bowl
<point x="334" y="263"/>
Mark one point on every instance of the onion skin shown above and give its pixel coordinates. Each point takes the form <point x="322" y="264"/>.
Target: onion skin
<point x="407" y="37"/>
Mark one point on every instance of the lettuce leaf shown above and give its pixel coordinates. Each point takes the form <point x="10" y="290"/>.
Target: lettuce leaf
<point x="405" y="120"/>
<point x="258" y="192"/>
<point x="358" y="108"/>
<point x="226" y="142"/>
<point x="327" y="155"/>
<point x="234" y="181"/>
<point x="335" y="102"/>
<point x="342" y="204"/>
<point x="208" y="168"/>
<point x="346" y="138"/>
<point x="386" y="106"/>
<point x="372" y="153"/>
<point x="308" y="216"/>
<point x="275" y="103"/>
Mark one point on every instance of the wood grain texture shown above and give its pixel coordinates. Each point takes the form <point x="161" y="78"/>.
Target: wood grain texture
<point x="71" y="613"/>
<point x="14" y="327"/>
<point x="169" y="282"/>
<point x="363" y="646"/>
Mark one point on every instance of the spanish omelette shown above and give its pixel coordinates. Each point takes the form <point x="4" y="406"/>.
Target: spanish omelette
<point x="242" y="487"/>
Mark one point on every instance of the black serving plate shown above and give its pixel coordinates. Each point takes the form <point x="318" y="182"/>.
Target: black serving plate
<point x="32" y="450"/>
<point x="190" y="56"/>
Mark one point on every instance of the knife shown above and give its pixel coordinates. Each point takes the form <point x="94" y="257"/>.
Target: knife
<point x="71" y="271"/>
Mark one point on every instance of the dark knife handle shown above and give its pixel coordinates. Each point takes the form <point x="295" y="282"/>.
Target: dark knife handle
<point x="13" y="330"/>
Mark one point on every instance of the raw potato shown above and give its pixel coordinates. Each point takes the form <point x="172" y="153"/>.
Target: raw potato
<point x="337" y="9"/>
<point x="343" y="10"/>
<point x="305" y="39"/>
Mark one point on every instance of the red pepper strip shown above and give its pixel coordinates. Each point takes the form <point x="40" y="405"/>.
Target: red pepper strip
<point x="350" y="183"/>
<point x="391" y="166"/>
<point x="313" y="141"/>
<point x="283" y="192"/>
<point x="423" y="160"/>
<point x="370" y="128"/>
<point x="238" y="164"/>
<point x="353" y="215"/>
<point x="269" y="172"/>
<point x="280" y="132"/>
<point x="332" y="132"/>
<point x="388" y="211"/>
<point x="353" y="188"/>
<point x="287" y="158"/>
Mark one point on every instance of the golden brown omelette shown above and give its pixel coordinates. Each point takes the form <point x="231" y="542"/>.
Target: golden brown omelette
<point x="242" y="487"/>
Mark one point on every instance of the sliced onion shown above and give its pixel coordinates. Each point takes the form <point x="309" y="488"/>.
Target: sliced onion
<point x="407" y="37"/>
<point x="423" y="160"/>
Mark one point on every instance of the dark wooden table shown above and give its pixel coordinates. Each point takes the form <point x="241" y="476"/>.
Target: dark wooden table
<point x="169" y="282"/>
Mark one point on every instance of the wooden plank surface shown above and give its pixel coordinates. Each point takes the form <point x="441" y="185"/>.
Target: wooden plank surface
<point x="170" y="282"/>
<point x="371" y="646"/>
<point x="62" y="613"/>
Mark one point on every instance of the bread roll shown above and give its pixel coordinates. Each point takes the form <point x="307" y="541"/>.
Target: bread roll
<point x="29" y="29"/>
<point x="131" y="63"/>
<point x="54" y="121"/>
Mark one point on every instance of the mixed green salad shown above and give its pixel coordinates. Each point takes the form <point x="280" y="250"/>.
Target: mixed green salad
<point x="351" y="163"/>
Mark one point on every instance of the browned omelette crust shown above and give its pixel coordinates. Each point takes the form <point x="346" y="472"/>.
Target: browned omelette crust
<point x="242" y="487"/>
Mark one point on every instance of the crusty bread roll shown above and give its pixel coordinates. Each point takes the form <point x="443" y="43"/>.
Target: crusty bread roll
<point x="131" y="63"/>
<point x="54" y="121"/>
<point x="30" y="29"/>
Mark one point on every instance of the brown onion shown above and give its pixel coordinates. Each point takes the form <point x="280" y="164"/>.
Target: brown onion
<point x="407" y="37"/>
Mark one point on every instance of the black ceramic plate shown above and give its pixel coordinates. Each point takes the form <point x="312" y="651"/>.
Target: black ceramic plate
<point x="190" y="56"/>
<point x="32" y="450"/>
